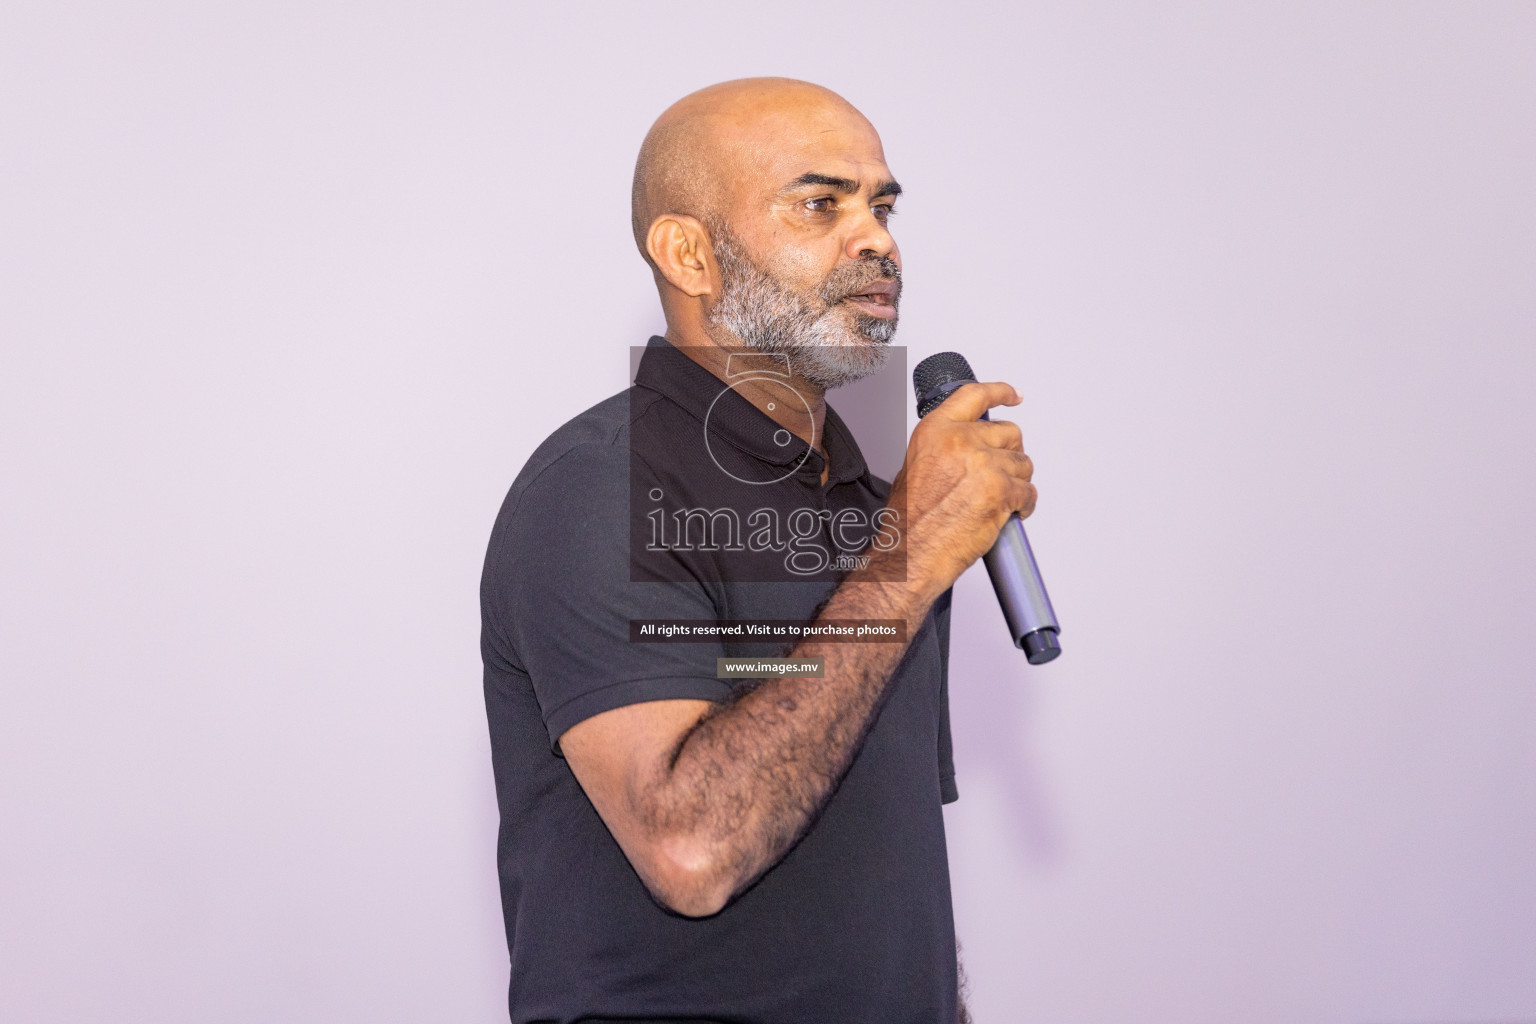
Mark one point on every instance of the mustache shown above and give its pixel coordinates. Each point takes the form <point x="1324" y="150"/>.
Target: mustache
<point x="853" y="278"/>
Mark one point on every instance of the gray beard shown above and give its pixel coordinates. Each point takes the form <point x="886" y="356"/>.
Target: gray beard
<point x="813" y="330"/>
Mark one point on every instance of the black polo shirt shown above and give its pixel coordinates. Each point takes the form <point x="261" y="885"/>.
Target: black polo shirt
<point x="678" y="499"/>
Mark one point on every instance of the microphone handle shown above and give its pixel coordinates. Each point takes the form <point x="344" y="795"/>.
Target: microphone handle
<point x="1021" y="592"/>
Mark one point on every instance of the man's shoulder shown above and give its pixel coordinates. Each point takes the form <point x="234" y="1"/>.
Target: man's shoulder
<point x="575" y="473"/>
<point x="599" y="436"/>
<point x="605" y="425"/>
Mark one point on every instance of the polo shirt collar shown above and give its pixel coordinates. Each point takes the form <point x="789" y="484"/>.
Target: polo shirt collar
<point x="673" y="375"/>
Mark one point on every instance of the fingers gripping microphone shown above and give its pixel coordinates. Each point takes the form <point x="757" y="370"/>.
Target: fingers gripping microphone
<point x="1010" y="563"/>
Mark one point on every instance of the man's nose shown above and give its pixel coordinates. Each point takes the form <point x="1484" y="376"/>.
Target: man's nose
<point x="869" y="237"/>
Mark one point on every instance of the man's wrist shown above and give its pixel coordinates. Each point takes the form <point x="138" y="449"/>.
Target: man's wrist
<point x="887" y="588"/>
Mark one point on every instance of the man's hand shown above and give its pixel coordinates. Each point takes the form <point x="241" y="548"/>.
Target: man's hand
<point x="703" y="798"/>
<point x="963" y="477"/>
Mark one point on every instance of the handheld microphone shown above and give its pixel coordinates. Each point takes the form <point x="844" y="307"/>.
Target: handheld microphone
<point x="1011" y="564"/>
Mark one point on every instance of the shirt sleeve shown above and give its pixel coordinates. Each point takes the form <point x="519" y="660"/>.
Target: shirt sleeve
<point x="947" y="791"/>
<point x="559" y="591"/>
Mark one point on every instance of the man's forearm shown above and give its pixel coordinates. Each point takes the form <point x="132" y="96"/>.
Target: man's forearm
<point x="748" y="780"/>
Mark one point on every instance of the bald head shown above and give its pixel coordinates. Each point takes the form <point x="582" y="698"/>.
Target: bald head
<point x="699" y="152"/>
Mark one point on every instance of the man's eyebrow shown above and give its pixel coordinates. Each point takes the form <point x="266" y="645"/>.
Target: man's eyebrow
<point x="847" y="186"/>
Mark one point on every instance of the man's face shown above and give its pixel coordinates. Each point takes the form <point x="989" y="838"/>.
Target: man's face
<point x="806" y="261"/>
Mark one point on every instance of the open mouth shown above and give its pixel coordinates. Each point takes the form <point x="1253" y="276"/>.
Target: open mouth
<point x="877" y="299"/>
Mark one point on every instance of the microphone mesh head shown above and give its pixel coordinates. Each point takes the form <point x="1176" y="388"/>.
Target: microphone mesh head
<point x="934" y="372"/>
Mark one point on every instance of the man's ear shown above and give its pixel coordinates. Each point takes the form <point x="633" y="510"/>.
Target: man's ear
<point x="680" y="248"/>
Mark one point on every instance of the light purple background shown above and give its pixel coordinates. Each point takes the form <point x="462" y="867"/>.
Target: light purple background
<point x="290" y="291"/>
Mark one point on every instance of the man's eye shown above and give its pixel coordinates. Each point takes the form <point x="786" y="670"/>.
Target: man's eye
<point x="822" y="205"/>
<point x="882" y="212"/>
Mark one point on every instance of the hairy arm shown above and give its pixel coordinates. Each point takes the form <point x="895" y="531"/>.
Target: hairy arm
<point x="702" y="817"/>
<point x="703" y="798"/>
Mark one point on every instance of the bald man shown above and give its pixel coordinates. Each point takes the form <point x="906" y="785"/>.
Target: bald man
<point x="678" y="844"/>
